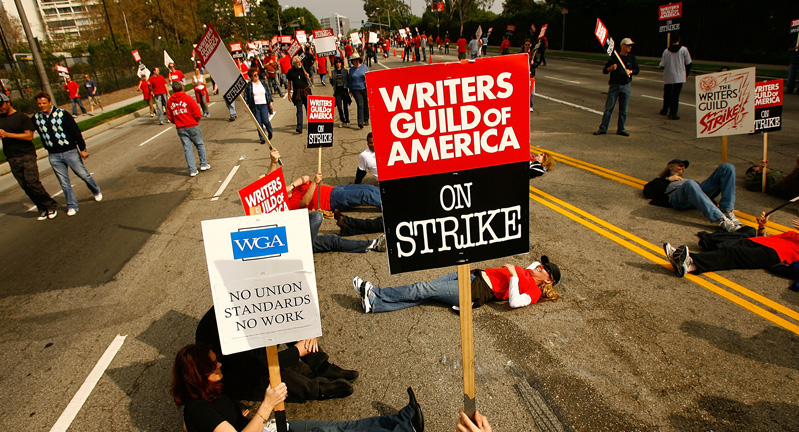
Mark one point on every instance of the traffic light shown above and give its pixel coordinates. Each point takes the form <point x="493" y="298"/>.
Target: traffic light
<point x="362" y="23"/>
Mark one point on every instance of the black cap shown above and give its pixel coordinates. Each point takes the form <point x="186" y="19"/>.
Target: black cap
<point x="676" y="161"/>
<point x="552" y="269"/>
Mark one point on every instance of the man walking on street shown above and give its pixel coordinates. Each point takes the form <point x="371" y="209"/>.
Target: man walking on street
<point x="185" y="114"/>
<point x="160" y="93"/>
<point x="63" y="140"/>
<point x="461" y="42"/>
<point x="676" y="65"/>
<point x="16" y="130"/>
<point x="74" y="96"/>
<point x="621" y="77"/>
<point x="94" y="96"/>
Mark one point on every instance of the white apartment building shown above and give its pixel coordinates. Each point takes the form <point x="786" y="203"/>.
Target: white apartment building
<point x="339" y="23"/>
<point x="54" y="20"/>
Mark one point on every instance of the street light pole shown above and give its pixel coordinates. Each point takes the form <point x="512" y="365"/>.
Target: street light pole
<point x="37" y="58"/>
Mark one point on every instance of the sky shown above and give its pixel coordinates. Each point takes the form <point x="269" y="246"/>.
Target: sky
<point x="353" y="9"/>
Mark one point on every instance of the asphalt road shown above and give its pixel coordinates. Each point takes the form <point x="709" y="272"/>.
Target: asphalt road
<point x="629" y="346"/>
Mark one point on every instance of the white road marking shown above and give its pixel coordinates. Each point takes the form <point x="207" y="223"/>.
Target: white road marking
<point x="660" y="99"/>
<point x="561" y="79"/>
<point x="211" y="104"/>
<point x="227" y="180"/>
<point x="381" y="64"/>
<point x="569" y="104"/>
<point x="63" y="422"/>
<point x="156" y="136"/>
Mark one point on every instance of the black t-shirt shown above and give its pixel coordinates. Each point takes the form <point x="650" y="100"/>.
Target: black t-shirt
<point x="17" y="123"/>
<point x="203" y="416"/>
<point x="297" y="78"/>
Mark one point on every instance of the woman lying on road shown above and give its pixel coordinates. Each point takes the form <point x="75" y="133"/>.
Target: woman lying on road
<point x="520" y="287"/>
<point x="775" y="253"/>
<point x="197" y="384"/>
<point x="540" y="164"/>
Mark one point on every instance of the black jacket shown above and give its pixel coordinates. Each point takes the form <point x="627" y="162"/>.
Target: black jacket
<point x="656" y="191"/>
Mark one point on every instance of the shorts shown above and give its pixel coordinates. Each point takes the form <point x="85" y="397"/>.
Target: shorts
<point x="462" y="56"/>
<point x="94" y="100"/>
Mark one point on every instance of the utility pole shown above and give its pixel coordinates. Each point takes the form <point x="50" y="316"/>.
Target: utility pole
<point x="37" y="58"/>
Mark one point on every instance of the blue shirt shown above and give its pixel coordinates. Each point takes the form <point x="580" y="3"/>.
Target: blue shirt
<point x="91" y="86"/>
<point x="358" y="77"/>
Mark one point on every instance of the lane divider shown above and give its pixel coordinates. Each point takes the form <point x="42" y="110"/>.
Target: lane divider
<point x="229" y="177"/>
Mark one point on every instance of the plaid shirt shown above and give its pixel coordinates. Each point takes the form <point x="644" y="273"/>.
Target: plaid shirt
<point x="59" y="131"/>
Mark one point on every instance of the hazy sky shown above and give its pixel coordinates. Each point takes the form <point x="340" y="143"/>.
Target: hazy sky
<point x="353" y="9"/>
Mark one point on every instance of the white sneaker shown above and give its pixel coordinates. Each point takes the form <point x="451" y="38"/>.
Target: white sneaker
<point x="51" y="214"/>
<point x="193" y="173"/>
<point x="72" y="212"/>
<point x="364" y="289"/>
<point x="731" y="216"/>
<point x="728" y="225"/>
<point x="98" y="197"/>
<point x="205" y="167"/>
<point x="42" y="216"/>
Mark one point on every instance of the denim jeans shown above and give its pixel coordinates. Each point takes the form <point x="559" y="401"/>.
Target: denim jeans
<point x="26" y="171"/>
<point x="61" y="162"/>
<point x="160" y="106"/>
<point x="232" y="108"/>
<point x="362" y="102"/>
<point x="193" y="136"/>
<point x="261" y="114"/>
<point x="275" y="86"/>
<point x="387" y="423"/>
<point x="443" y="289"/>
<point x="622" y="94"/>
<point x="300" y="115"/>
<point x="341" y="103"/>
<point x="76" y="101"/>
<point x="331" y="242"/>
<point x="351" y="195"/>
<point x="700" y="195"/>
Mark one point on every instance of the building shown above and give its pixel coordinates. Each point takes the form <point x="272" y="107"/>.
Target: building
<point x="339" y="23"/>
<point x="60" y="21"/>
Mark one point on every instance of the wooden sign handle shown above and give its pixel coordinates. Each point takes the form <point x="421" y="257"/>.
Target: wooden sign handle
<point x="725" y="140"/>
<point x="274" y="381"/>
<point x="467" y="338"/>
<point x="319" y="186"/>
<point x="258" y="125"/>
<point x="621" y="62"/>
<point x="765" y="160"/>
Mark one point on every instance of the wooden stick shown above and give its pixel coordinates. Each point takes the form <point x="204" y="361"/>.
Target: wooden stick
<point x="319" y="186"/>
<point x="621" y="62"/>
<point x="258" y="125"/>
<point x="765" y="160"/>
<point x="467" y="338"/>
<point x="724" y="143"/>
<point x="668" y="39"/>
<point x="274" y="381"/>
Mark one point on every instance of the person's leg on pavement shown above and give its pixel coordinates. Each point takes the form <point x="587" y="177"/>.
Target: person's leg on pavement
<point x="745" y="254"/>
<point x="80" y="104"/>
<point x="75" y="162"/>
<point x="443" y="289"/>
<point x="26" y="172"/>
<point x="354" y="226"/>
<point x="610" y="103"/>
<point x="333" y="243"/>
<point x="196" y="135"/>
<point x="359" y="103"/>
<point x="61" y="170"/>
<point x="722" y="181"/>
<point x="690" y="195"/>
<point x="298" y="105"/>
<point x="666" y="99"/>
<point x="624" y="101"/>
<point x="351" y="195"/>
<point x="74" y="107"/>
<point x="151" y="104"/>
<point x="188" y="150"/>
<point x="676" y="89"/>
<point x="401" y="422"/>
<point x="160" y="104"/>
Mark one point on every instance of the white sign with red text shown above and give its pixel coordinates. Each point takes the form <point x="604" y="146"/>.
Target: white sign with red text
<point x="670" y="11"/>
<point x="220" y="64"/>
<point x="725" y="103"/>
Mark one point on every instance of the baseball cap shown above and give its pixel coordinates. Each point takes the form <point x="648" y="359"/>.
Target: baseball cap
<point x="676" y="161"/>
<point x="552" y="269"/>
<point x="627" y="41"/>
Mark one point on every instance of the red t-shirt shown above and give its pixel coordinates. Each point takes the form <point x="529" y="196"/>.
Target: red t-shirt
<point x="158" y="83"/>
<point x="505" y="44"/>
<point x="285" y="64"/>
<point x="244" y="68"/>
<point x="500" y="283"/>
<point x="348" y="50"/>
<point x="786" y="245"/>
<point x="145" y="90"/>
<point x="321" y="62"/>
<point x="73" y="88"/>
<point x="417" y="42"/>
<point x="299" y="192"/>
<point x="175" y="76"/>
<point x="182" y="111"/>
<point x="461" y="45"/>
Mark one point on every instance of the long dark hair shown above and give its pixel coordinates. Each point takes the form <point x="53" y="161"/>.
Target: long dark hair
<point x="193" y="365"/>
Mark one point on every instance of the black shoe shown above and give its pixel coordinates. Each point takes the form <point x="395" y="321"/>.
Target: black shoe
<point x="622" y="133"/>
<point x="674" y="117"/>
<point x="600" y="132"/>
<point x="334" y="372"/>
<point x="334" y="389"/>
<point x="360" y="126"/>
<point x="232" y="118"/>
<point x="664" y="111"/>
<point x="299" y="131"/>
<point x="417" y="421"/>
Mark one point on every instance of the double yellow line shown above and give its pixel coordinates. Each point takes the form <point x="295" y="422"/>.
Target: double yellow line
<point x="734" y="292"/>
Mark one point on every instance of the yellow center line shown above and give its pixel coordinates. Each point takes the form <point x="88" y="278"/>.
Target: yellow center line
<point x="598" y="226"/>
<point x="747" y="219"/>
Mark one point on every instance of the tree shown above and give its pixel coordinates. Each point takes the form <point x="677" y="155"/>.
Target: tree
<point x="381" y="10"/>
<point x="302" y="17"/>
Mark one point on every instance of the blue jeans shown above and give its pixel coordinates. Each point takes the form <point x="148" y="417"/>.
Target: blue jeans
<point x="622" y="94"/>
<point x="193" y="136"/>
<point x="351" y="195"/>
<point x="71" y="159"/>
<point x="443" y="289"/>
<point x="231" y="108"/>
<point x="362" y="102"/>
<point x="700" y="195"/>
<point x="388" y="423"/>
<point x="300" y="115"/>
<point x="74" y="108"/>
<point x="331" y="242"/>
<point x="261" y="114"/>
<point x="160" y="106"/>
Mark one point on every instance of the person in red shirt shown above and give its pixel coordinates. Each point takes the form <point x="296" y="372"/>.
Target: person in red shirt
<point x="446" y="44"/>
<point x="74" y="95"/>
<point x="160" y="93"/>
<point x="504" y="47"/>
<point x="519" y="286"/>
<point x="303" y="193"/>
<point x="176" y="75"/>
<point x="417" y="43"/>
<point x="244" y="69"/>
<point x="185" y="114"/>
<point x="147" y="93"/>
<point x="461" y="48"/>
<point x="348" y="53"/>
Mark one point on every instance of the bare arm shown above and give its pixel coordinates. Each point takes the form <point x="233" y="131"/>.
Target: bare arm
<point x="309" y="194"/>
<point x="25" y="136"/>
<point x="271" y="399"/>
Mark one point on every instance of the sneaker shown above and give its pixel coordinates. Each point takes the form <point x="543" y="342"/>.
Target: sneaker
<point x="668" y="249"/>
<point x="152" y="115"/>
<point x="193" y="173"/>
<point x="379" y="244"/>
<point x="664" y="111"/>
<point x="531" y="109"/>
<point x="160" y="122"/>
<point x="622" y="133"/>
<point x="98" y="197"/>
<point x="679" y="258"/>
<point x="364" y="289"/>
<point x="42" y="216"/>
<point x="205" y="167"/>
<point x="51" y="214"/>
<point x="727" y="225"/>
<point x="731" y="216"/>
<point x="72" y="212"/>
<point x="600" y="132"/>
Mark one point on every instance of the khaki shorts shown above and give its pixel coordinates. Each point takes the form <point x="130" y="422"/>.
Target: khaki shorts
<point x="94" y="100"/>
